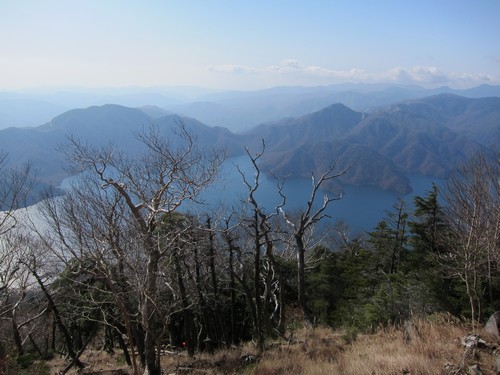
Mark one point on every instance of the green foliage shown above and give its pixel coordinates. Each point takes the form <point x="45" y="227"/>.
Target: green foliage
<point x="26" y="364"/>
<point x="120" y="360"/>
<point x="388" y="281"/>
<point x="426" y="229"/>
<point x="389" y="240"/>
<point x="356" y="284"/>
<point x="351" y="334"/>
<point x="322" y="282"/>
<point x="26" y="360"/>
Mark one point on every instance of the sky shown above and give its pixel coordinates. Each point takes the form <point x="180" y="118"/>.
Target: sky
<point x="247" y="45"/>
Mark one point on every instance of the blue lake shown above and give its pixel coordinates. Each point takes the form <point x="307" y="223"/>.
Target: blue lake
<point x="360" y="207"/>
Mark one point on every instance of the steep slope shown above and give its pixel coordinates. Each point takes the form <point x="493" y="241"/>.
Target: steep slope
<point x="312" y="143"/>
<point x="331" y="123"/>
<point x="366" y="167"/>
<point x="97" y="126"/>
<point x="206" y="137"/>
<point x="477" y="119"/>
<point x="416" y="143"/>
<point x="428" y="136"/>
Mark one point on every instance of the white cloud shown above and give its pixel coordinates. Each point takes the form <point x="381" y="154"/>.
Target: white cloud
<point x="292" y="66"/>
<point x="417" y="74"/>
<point x="234" y="69"/>
<point x="433" y="76"/>
<point x="292" y="71"/>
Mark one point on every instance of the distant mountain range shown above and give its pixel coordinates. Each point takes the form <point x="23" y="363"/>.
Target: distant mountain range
<point x="426" y="136"/>
<point x="242" y="110"/>
<point x="235" y="110"/>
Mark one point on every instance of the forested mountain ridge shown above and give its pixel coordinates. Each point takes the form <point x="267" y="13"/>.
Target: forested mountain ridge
<point x="97" y="126"/>
<point x="311" y="143"/>
<point x="426" y="136"/>
<point x="477" y="119"/>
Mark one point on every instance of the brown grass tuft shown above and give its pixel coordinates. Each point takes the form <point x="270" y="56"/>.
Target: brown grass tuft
<point x="433" y="348"/>
<point x="426" y="346"/>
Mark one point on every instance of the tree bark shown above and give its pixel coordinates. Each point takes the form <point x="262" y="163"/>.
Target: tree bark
<point x="62" y="328"/>
<point x="152" y="366"/>
<point x="301" y="265"/>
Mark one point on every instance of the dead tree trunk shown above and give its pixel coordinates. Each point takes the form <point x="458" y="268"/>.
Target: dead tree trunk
<point x="308" y="218"/>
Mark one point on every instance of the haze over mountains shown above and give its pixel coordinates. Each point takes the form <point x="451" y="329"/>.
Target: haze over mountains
<point x="427" y="136"/>
<point x="236" y="110"/>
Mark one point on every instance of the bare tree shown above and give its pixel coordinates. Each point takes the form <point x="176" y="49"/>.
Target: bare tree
<point x="15" y="285"/>
<point x="307" y="219"/>
<point x="472" y="218"/>
<point x="93" y="247"/>
<point x="265" y="287"/>
<point x="228" y="234"/>
<point x="15" y="185"/>
<point x="153" y="185"/>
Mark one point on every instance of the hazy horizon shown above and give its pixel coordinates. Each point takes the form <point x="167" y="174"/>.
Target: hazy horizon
<point x="224" y="45"/>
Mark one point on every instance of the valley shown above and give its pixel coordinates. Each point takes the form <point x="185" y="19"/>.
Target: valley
<point x="395" y="151"/>
<point x="428" y="136"/>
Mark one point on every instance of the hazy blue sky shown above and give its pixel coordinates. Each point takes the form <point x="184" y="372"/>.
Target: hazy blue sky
<point x="241" y="44"/>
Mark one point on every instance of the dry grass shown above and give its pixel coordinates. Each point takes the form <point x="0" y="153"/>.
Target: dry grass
<point x="227" y="361"/>
<point x="98" y="362"/>
<point x="312" y="352"/>
<point x="433" y="347"/>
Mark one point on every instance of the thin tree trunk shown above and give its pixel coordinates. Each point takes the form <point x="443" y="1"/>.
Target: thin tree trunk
<point x="17" y="335"/>
<point x="152" y="367"/>
<point x="188" y="318"/>
<point x="301" y="264"/>
<point x="232" y="288"/>
<point x="256" y="286"/>
<point x="62" y="328"/>
<point x="471" y="299"/>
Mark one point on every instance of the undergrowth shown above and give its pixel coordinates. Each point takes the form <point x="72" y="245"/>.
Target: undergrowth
<point x="424" y="346"/>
